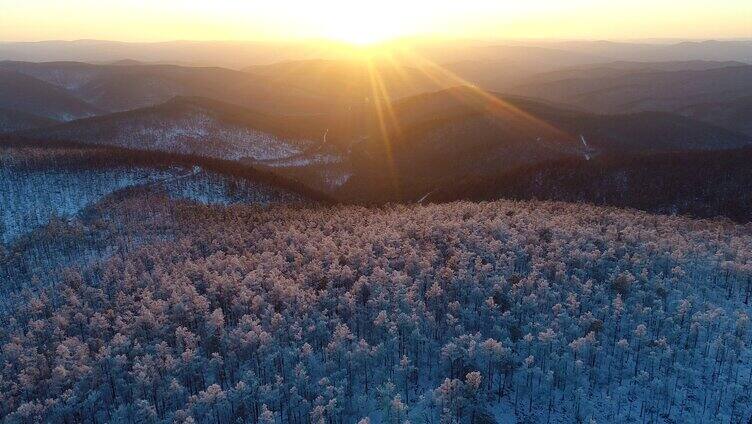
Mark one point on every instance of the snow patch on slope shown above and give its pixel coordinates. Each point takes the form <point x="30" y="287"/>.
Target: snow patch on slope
<point x="32" y="198"/>
<point x="196" y="132"/>
<point x="70" y="79"/>
<point x="210" y="188"/>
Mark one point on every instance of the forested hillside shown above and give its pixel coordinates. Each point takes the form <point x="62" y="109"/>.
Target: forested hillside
<point x="122" y="87"/>
<point x="38" y="185"/>
<point x="13" y="120"/>
<point x="633" y="92"/>
<point x="194" y="126"/>
<point x="432" y="141"/>
<point x="26" y="94"/>
<point x="463" y="312"/>
<point x="701" y="184"/>
<point x="385" y="150"/>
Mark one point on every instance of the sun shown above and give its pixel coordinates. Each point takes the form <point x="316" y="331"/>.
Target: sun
<point x="362" y="23"/>
<point x="361" y="32"/>
<point x="359" y="36"/>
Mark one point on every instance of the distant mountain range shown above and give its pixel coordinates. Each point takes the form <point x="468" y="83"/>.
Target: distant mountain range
<point x="440" y="137"/>
<point x="546" y="55"/>
<point x="622" y="69"/>
<point x="191" y="53"/>
<point x="121" y="87"/>
<point x="353" y="81"/>
<point x="415" y="142"/>
<point x="70" y="90"/>
<point x="621" y="92"/>
<point x="717" y="50"/>
<point x="718" y="95"/>
<point x="378" y="130"/>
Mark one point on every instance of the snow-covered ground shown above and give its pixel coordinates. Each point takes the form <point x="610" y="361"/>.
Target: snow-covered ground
<point x="32" y="198"/>
<point x="211" y="188"/>
<point x="195" y="131"/>
<point x="335" y="178"/>
<point x="306" y="160"/>
<point x="66" y="75"/>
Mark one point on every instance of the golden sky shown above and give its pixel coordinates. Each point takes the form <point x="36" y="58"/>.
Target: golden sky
<point x="368" y="21"/>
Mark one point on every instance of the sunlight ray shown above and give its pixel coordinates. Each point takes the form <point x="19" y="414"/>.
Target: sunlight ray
<point x="379" y="102"/>
<point x="492" y="104"/>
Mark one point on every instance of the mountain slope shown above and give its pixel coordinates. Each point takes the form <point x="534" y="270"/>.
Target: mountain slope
<point x="352" y="80"/>
<point x="117" y="88"/>
<point x="231" y="54"/>
<point x="653" y="132"/>
<point x="429" y="138"/>
<point x="634" y="92"/>
<point x="633" y="132"/>
<point x="702" y="184"/>
<point x="30" y="95"/>
<point x="439" y="137"/>
<point x="122" y="88"/>
<point x="65" y="75"/>
<point x="393" y="150"/>
<point x="715" y="50"/>
<point x="506" y="74"/>
<point x="193" y="126"/>
<point x="14" y="120"/>
<point x="40" y="183"/>
<point x="735" y="114"/>
<point x="621" y="69"/>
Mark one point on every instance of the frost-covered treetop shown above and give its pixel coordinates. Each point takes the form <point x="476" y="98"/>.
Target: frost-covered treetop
<point x="462" y="312"/>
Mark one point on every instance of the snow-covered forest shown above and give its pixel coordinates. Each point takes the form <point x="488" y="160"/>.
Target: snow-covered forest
<point x="405" y="216"/>
<point x="506" y="311"/>
<point x="39" y="185"/>
<point x="181" y="126"/>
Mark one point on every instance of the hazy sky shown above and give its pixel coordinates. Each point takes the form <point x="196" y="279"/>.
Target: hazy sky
<point x="365" y="21"/>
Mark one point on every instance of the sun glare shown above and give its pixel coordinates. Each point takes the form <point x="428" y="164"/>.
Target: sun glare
<point x="362" y="31"/>
<point x="363" y="23"/>
<point x="360" y="35"/>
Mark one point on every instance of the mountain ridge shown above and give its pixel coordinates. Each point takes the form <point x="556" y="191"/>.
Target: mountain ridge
<point x="24" y="93"/>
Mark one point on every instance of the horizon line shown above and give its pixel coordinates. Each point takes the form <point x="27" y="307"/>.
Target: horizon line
<point x="434" y="38"/>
